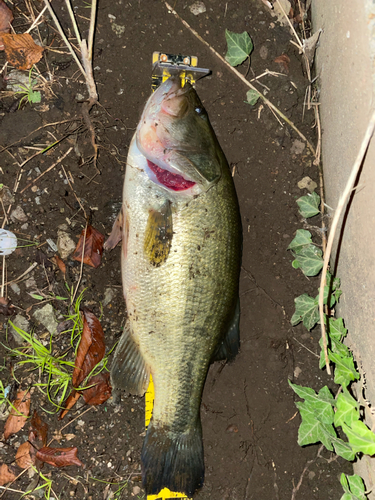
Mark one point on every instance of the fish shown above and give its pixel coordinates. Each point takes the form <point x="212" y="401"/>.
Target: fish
<point x="181" y="235"/>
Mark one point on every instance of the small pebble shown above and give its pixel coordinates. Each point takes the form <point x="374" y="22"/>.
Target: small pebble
<point x="232" y="428"/>
<point x="136" y="490"/>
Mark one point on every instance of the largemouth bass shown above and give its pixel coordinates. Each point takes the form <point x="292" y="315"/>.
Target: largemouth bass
<point x="181" y="251"/>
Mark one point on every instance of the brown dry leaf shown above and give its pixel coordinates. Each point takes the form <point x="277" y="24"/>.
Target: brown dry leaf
<point x="91" y="348"/>
<point x="60" y="264"/>
<point x="6" y="307"/>
<point x="59" y="457"/>
<point x="18" y="414"/>
<point x="23" y="456"/>
<point x="6" y="475"/>
<point x="100" y="390"/>
<point x="6" y="17"/>
<point x="37" y="434"/>
<point x="93" y="247"/>
<point x="69" y="403"/>
<point x="284" y="61"/>
<point x="21" y="51"/>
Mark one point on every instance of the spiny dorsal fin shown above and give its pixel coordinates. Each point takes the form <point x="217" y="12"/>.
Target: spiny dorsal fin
<point x="159" y="233"/>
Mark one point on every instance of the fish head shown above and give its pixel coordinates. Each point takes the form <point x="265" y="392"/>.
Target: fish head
<point x="176" y="137"/>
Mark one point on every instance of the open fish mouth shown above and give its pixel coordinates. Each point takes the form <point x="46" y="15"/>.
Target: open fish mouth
<point x="172" y="181"/>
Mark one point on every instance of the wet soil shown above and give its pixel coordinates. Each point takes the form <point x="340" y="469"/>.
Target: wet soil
<point x="250" y="421"/>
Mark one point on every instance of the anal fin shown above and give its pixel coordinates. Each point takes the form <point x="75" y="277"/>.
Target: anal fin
<point x="229" y="347"/>
<point x="129" y="371"/>
<point x="116" y="233"/>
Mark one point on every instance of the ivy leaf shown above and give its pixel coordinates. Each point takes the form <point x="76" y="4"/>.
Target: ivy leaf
<point x="336" y="328"/>
<point x="361" y="438"/>
<point x="345" y="371"/>
<point x="346" y="409"/>
<point x="306" y="311"/>
<point x="309" y="205"/>
<point x="310" y="260"/>
<point x="343" y="449"/>
<point x="252" y="97"/>
<point x="353" y="487"/>
<point x="321" y="403"/>
<point x="239" y="47"/>
<point x="301" y="239"/>
<point x="312" y="430"/>
<point x="337" y="294"/>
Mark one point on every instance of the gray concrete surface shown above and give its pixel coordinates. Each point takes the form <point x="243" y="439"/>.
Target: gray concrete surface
<point x="345" y="64"/>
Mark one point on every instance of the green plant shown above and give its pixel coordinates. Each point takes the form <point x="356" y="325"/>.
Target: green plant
<point x="47" y="486"/>
<point x="41" y="358"/>
<point x="322" y="413"/>
<point x="28" y="91"/>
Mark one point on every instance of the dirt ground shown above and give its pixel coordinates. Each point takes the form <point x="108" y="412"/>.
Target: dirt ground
<point x="249" y="418"/>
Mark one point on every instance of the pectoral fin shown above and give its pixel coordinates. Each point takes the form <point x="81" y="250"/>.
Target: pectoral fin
<point x="116" y="233"/>
<point x="230" y="346"/>
<point x="159" y="233"/>
<point x="129" y="371"/>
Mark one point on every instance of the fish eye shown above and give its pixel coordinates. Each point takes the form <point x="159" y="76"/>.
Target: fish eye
<point x="198" y="110"/>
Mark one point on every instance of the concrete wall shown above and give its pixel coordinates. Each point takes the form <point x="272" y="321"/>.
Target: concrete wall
<point x="345" y="63"/>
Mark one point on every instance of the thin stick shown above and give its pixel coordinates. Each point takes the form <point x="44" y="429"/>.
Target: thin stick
<point x="241" y="77"/>
<point x="23" y="274"/>
<point x="35" y="22"/>
<point x="3" y="278"/>
<point x="92" y="29"/>
<point x="63" y="36"/>
<point x="48" y="169"/>
<point x="76" y="197"/>
<point x="290" y="24"/>
<point x="340" y="207"/>
<point x="74" y="22"/>
<point x="81" y="271"/>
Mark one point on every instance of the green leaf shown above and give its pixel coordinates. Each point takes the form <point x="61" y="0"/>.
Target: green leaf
<point x="336" y="328"/>
<point x="345" y="371"/>
<point x="361" y="438"/>
<point x="347" y="409"/>
<point x="306" y="311"/>
<point x="301" y="239"/>
<point x="35" y="96"/>
<point x="57" y="297"/>
<point x="343" y="449"/>
<point x="321" y="403"/>
<point x="37" y="297"/>
<point x="252" y="97"/>
<point x="353" y="487"/>
<point x="312" y="430"/>
<point x="337" y="294"/>
<point x="310" y="260"/>
<point x="309" y="205"/>
<point x="239" y="47"/>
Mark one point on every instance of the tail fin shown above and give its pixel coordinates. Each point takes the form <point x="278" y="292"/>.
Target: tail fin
<point x="173" y="461"/>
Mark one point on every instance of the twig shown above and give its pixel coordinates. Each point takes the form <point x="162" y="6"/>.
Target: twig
<point x="23" y="274"/>
<point x="242" y="78"/>
<point x="307" y="349"/>
<point x="76" y="197"/>
<point x="48" y="169"/>
<point x="308" y="463"/>
<point x="92" y="29"/>
<point x="81" y="271"/>
<point x="73" y="19"/>
<point x="290" y="24"/>
<point x="340" y="207"/>
<point x="3" y="278"/>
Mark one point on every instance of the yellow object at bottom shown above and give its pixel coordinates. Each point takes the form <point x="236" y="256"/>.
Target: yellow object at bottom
<point x="165" y="493"/>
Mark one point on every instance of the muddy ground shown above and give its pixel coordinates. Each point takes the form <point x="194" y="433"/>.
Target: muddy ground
<point x="249" y="417"/>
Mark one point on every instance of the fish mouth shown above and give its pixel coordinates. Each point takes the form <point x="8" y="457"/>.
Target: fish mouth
<point x="168" y="179"/>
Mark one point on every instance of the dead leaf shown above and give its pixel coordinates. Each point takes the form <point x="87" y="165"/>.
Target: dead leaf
<point x="309" y="45"/>
<point x="6" y="17"/>
<point x="6" y="307"/>
<point x="90" y="352"/>
<point x="284" y="61"/>
<point x="91" y="348"/>
<point x="18" y="414"/>
<point x="93" y="247"/>
<point x="23" y="456"/>
<point x="69" y="403"/>
<point x="60" y="264"/>
<point x="59" y="457"/>
<point x="100" y="391"/>
<point x="37" y="434"/>
<point x="21" y="51"/>
<point x="6" y="475"/>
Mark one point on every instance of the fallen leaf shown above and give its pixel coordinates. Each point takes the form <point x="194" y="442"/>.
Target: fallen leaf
<point x="59" y="457"/>
<point x="284" y="61"/>
<point x="60" y="264"/>
<point x="100" y="391"/>
<point x="23" y="456"/>
<point x="21" y="51"/>
<point x="37" y="434"/>
<point x="309" y="46"/>
<point x="69" y="403"/>
<point x="6" y="307"/>
<point x="93" y="247"/>
<point x="6" y="475"/>
<point x="18" y="414"/>
<point x="91" y="348"/>
<point x="6" y="17"/>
